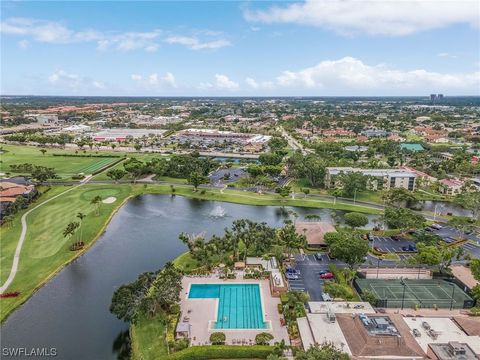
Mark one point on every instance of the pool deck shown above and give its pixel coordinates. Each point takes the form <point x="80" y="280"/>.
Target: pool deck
<point x="200" y="313"/>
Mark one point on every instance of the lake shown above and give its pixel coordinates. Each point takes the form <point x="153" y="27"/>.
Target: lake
<point x="70" y="313"/>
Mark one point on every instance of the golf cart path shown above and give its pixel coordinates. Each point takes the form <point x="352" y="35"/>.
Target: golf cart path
<point x="16" y="257"/>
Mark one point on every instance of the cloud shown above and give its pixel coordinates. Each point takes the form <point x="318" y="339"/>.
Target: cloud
<point x="256" y="85"/>
<point x="45" y="31"/>
<point x="224" y="83"/>
<point x="349" y="74"/>
<point x="392" y="18"/>
<point x="53" y="32"/>
<point x="131" y="41"/>
<point x="155" y="80"/>
<point x="447" y="55"/>
<point x="195" y="44"/>
<point x="61" y="78"/>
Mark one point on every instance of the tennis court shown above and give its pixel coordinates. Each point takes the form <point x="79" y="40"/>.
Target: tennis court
<point x="424" y="293"/>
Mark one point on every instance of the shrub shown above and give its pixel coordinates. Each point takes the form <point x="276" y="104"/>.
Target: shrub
<point x="263" y="338"/>
<point x="179" y="344"/>
<point x="78" y="177"/>
<point x="370" y="297"/>
<point x="221" y="352"/>
<point x="217" y="338"/>
<point x="280" y="308"/>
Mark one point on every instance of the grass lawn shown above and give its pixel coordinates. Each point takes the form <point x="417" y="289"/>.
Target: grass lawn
<point x="247" y="198"/>
<point x="64" y="166"/>
<point x="185" y="262"/>
<point x="148" y="338"/>
<point x="45" y="250"/>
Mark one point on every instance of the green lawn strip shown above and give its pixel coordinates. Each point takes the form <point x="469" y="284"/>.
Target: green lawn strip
<point x="65" y="167"/>
<point x="148" y="338"/>
<point x="220" y="352"/>
<point x="247" y="198"/>
<point x="185" y="262"/>
<point x="45" y="250"/>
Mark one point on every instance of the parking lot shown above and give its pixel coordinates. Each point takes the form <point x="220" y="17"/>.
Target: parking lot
<point x="224" y="176"/>
<point x="448" y="234"/>
<point x="387" y="244"/>
<point x="309" y="278"/>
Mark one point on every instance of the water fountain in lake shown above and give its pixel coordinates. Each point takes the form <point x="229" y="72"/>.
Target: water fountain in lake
<point x="218" y="212"/>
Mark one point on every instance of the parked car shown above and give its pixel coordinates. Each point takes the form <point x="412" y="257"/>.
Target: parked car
<point x="370" y="237"/>
<point x="416" y="333"/>
<point x="436" y="226"/>
<point x="327" y="275"/>
<point x="290" y="270"/>
<point x="396" y="237"/>
<point x="318" y="256"/>
<point x="409" y="248"/>
<point x="321" y="272"/>
<point x="291" y="276"/>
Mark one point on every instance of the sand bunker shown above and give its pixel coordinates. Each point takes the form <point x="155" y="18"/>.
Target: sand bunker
<point x="109" y="200"/>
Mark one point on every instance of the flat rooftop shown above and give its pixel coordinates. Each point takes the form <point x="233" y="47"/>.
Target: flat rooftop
<point x="316" y="328"/>
<point x="123" y="133"/>
<point x="341" y="307"/>
<point x="446" y="330"/>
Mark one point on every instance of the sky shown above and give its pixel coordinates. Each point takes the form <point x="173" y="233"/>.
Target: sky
<point x="230" y="48"/>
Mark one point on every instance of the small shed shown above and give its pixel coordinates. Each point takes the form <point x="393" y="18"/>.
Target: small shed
<point x="239" y="265"/>
<point x="183" y="330"/>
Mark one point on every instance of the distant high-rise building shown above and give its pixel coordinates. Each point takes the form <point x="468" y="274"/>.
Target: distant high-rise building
<point x="433" y="97"/>
<point x="440" y="97"/>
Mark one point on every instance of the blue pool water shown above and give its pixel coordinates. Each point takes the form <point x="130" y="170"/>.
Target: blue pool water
<point x="239" y="305"/>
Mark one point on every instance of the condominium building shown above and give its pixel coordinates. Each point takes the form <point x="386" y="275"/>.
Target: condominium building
<point x="379" y="178"/>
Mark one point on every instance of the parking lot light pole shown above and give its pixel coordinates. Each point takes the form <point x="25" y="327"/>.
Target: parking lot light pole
<point x="453" y="293"/>
<point x="404" y="286"/>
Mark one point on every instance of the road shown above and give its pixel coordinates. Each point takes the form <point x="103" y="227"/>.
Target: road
<point x="294" y="144"/>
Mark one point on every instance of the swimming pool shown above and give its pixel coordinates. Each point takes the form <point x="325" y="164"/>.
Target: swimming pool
<point x="239" y="305"/>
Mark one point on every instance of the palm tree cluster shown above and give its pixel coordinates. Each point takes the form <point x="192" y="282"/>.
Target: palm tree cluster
<point x="70" y="231"/>
<point x="244" y="238"/>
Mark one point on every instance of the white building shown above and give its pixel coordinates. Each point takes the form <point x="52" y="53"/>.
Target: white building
<point x="77" y="128"/>
<point x="385" y="178"/>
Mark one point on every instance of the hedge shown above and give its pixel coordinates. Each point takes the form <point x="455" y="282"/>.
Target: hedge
<point x="88" y="155"/>
<point x="221" y="352"/>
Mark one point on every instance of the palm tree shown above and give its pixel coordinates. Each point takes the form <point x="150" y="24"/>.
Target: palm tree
<point x="81" y="216"/>
<point x="96" y="202"/>
<point x="70" y="229"/>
